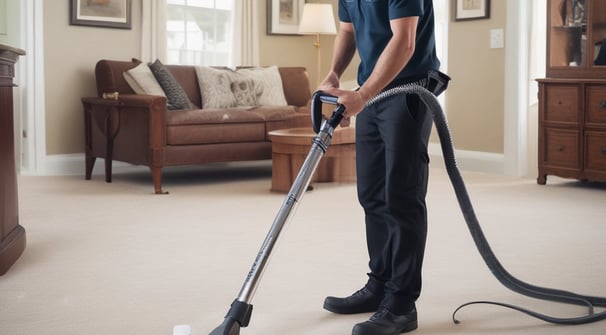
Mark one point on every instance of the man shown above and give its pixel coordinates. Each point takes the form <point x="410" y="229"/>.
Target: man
<point x="396" y="44"/>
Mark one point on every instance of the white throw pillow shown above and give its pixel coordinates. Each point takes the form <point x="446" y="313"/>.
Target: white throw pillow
<point x="142" y="80"/>
<point x="215" y="87"/>
<point x="273" y="92"/>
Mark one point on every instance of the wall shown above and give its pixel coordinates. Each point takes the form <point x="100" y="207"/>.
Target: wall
<point x="474" y="103"/>
<point x="70" y="55"/>
<point x="475" y="100"/>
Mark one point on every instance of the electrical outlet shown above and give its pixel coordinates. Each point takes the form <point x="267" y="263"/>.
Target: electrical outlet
<point x="497" y="40"/>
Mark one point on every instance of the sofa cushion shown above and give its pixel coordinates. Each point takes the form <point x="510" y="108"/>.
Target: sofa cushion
<point x="176" y="97"/>
<point x="216" y="125"/>
<point x="229" y="125"/>
<point x="215" y="133"/>
<point x="273" y="91"/>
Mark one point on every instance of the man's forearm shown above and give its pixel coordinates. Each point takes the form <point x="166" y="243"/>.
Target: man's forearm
<point x="344" y="49"/>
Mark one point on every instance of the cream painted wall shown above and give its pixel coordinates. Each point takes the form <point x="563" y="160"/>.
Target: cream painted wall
<point x="475" y="100"/>
<point x="474" y="103"/>
<point x="71" y="53"/>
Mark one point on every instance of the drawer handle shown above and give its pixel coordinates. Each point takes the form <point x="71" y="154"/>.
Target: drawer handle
<point x="603" y="104"/>
<point x="561" y="147"/>
<point x="603" y="150"/>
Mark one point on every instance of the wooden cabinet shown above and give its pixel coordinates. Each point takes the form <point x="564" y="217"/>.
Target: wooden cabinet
<point x="572" y="99"/>
<point x="12" y="235"/>
<point x="572" y="129"/>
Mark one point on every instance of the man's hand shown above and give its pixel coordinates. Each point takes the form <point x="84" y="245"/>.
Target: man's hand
<point x="331" y="81"/>
<point x="352" y="100"/>
<point x="329" y="85"/>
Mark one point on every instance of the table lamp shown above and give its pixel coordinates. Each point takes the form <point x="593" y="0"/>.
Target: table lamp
<point x="317" y="19"/>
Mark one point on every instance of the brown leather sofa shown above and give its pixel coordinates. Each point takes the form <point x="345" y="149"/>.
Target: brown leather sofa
<point x="139" y="130"/>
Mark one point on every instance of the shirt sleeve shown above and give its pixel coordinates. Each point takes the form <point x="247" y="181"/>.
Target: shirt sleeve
<point x="405" y="8"/>
<point x="343" y="12"/>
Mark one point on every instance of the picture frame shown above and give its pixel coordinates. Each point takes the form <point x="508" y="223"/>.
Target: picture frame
<point x="283" y="16"/>
<point x="101" y="13"/>
<point x="466" y="10"/>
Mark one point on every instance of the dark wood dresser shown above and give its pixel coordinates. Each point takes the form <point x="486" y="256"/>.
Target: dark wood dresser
<point x="12" y="235"/>
<point x="572" y="99"/>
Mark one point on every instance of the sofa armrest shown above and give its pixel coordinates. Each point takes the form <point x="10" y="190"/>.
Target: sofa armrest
<point x="128" y="100"/>
<point x="295" y="83"/>
<point x="136" y="122"/>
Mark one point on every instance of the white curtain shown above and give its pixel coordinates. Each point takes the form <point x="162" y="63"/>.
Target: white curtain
<point x="246" y="34"/>
<point x="153" y="30"/>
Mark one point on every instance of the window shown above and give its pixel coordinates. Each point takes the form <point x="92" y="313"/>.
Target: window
<point x="199" y="32"/>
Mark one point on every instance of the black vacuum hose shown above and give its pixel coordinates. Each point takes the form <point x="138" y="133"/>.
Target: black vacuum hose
<point x="509" y="281"/>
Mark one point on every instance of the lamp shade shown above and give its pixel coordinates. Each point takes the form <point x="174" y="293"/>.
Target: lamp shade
<point x="317" y="18"/>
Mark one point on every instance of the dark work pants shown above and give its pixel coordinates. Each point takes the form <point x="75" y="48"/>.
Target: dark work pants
<point x="392" y="172"/>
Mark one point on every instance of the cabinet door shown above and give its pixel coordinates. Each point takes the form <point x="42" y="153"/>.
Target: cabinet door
<point x="567" y="28"/>
<point x="576" y="37"/>
<point x="597" y="36"/>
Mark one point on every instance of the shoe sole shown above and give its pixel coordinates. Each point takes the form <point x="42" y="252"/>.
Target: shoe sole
<point x="408" y="328"/>
<point x="347" y="311"/>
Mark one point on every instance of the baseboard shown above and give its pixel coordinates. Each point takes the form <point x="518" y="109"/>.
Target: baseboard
<point x="470" y="160"/>
<point x="73" y="164"/>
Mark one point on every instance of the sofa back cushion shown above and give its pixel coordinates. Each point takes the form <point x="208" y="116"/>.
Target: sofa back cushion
<point x="296" y="85"/>
<point x="175" y="94"/>
<point x="186" y="76"/>
<point x="109" y="76"/>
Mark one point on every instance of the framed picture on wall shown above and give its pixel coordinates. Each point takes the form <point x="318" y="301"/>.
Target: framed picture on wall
<point x="100" y="13"/>
<point x="283" y="16"/>
<point x="472" y="9"/>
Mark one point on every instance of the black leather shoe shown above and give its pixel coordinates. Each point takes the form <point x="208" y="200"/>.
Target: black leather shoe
<point x="363" y="301"/>
<point x="383" y="322"/>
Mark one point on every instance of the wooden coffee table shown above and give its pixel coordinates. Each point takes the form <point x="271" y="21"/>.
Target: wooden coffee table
<point x="291" y="146"/>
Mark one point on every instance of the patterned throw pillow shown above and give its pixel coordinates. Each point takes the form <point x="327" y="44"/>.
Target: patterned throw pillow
<point x="269" y="77"/>
<point x="176" y="97"/>
<point x="215" y="87"/>
<point x="247" y="91"/>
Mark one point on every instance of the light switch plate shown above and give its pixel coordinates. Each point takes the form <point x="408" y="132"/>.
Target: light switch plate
<point x="497" y="39"/>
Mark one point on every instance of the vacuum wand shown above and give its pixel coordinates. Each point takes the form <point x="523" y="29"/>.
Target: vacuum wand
<point x="241" y="309"/>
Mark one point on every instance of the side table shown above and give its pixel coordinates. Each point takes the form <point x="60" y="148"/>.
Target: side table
<point x="291" y="146"/>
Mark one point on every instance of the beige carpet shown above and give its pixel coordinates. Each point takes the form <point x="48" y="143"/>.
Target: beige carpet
<point x="113" y="259"/>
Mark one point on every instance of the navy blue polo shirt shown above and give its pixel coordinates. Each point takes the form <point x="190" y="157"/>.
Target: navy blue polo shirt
<point x="370" y="19"/>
